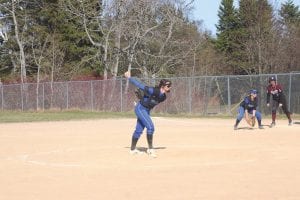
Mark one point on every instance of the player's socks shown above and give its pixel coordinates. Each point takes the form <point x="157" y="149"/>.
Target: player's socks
<point x="259" y="122"/>
<point x="150" y="140"/>
<point x="133" y="142"/>
<point x="237" y="122"/>
<point x="288" y="114"/>
<point x="273" y="117"/>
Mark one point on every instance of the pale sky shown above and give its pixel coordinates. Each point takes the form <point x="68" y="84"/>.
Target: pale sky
<point x="207" y="10"/>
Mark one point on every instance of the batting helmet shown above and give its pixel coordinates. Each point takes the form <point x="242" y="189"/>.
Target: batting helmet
<point x="272" y="78"/>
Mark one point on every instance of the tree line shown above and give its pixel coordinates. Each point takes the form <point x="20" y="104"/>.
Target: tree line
<point x="54" y="40"/>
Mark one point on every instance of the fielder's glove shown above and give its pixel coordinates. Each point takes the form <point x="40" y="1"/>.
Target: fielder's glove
<point x="251" y="121"/>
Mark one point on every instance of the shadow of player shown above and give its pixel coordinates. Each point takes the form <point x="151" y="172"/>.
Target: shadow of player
<point x="144" y="149"/>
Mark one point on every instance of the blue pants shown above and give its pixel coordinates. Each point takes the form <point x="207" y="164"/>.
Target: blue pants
<point x="242" y="112"/>
<point x="143" y="120"/>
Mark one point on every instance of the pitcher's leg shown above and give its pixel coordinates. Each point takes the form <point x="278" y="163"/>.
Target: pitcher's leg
<point x="137" y="133"/>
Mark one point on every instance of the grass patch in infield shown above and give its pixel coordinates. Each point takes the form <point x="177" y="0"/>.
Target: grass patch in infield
<point x="14" y="116"/>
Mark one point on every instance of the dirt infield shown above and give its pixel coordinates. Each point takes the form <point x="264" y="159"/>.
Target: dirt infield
<point x="197" y="159"/>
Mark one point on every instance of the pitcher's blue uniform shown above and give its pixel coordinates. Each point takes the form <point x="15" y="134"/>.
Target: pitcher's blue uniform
<point x="152" y="97"/>
<point x="143" y="107"/>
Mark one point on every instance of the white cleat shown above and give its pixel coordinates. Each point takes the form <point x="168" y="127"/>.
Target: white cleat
<point x="272" y="124"/>
<point x="135" y="152"/>
<point x="151" y="153"/>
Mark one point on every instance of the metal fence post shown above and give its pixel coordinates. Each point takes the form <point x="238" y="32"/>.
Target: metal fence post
<point x="190" y="95"/>
<point x="121" y="95"/>
<point x="43" y="96"/>
<point x="290" y="91"/>
<point x="204" y="97"/>
<point x="22" y="104"/>
<point x="229" y="95"/>
<point x="2" y="98"/>
<point x="92" y="96"/>
<point x="67" y="95"/>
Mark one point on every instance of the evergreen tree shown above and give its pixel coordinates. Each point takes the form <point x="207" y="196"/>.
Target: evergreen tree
<point x="256" y="18"/>
<point x="67" y="41"/>
<point x="289" y="13"/>
<point x="227" y="33"/>
<point x="290" y="35"/>
<point x="48" y="33"/>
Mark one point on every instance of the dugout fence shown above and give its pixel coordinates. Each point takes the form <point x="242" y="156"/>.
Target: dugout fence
<point x="203" y="95"/>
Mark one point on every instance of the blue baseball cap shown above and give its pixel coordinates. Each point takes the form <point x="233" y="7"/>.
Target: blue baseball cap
<point x="253" y="91"/>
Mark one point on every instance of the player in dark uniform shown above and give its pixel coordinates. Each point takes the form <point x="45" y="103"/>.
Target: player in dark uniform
<point x="278" y="100"/>
<point x="248" y="106"/>
<point x="152" y="97"/>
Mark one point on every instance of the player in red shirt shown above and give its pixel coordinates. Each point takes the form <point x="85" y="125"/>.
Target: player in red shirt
<point x="278" y="100"/>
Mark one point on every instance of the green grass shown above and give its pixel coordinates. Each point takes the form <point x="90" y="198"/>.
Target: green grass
<point x="54" y="115"/>
<point x="18" y="116"/>
<point x="14" y="116"/>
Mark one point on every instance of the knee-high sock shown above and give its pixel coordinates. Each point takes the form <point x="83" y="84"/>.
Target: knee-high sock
<point x="288" y="114"/>
<point x="150" y="140"/>
<point x="273" y="117"/>
<point x="259" y="122"/>
<point x="133" y="142"/>
<point x="237" y="122"/>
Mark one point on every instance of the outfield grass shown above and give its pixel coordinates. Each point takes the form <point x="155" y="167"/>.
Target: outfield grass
<point x="13" y="116"/>
<point x="54" y="115"/>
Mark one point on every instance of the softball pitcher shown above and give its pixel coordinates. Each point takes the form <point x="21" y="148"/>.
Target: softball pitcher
<point x="152" y="97"/>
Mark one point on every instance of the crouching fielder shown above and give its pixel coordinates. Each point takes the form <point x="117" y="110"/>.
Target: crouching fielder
<point x="248" y="106"/>
<point x="152" y="97"/>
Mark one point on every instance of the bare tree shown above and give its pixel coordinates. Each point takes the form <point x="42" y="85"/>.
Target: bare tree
<point x="18" y="20"/>
<point x="149" y="32"/>
<point x="3" y="32"/>
<point x="134" y="32"/>
<point x="39" y="53"/>
<point x="12" y="8"/>
<point x="98" y="28"/>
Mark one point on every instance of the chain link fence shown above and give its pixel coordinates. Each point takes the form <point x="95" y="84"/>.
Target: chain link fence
<point x="205" y="95"/>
